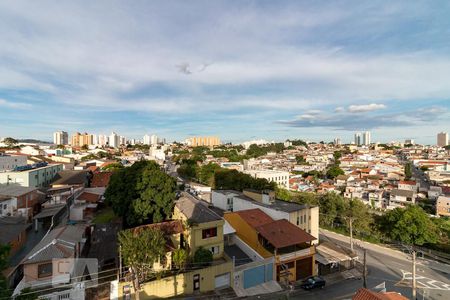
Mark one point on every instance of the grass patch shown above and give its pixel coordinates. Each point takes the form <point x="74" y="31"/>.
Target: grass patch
<point x="106" y="215"/>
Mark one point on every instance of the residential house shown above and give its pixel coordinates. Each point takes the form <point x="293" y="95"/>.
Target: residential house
<point x="408" y="185"/>
<point x="13" y="232"/>
<point x="366" y="294"/>
<point x="291" y="246"/>
<point x="36" y="175"/>
<point x="443" y="206"/>
<point x="401" y="198"/>
<point x="53" y="261"/>
<point x="20" y="200"/>
<point x="303" y="216"/>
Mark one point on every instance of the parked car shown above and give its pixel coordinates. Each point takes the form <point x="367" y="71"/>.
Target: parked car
<point x="312" y="283"/>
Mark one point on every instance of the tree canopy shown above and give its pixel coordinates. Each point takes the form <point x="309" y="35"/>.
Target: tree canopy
<point x="334" y="171"/>
<point x="410" y="225"/>
<point x="142" y="193"/>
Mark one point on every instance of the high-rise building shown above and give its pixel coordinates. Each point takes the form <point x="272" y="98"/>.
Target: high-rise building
<point x="114" y="140"/>
<point x="442" y="139"/>
<point x="102" y="140"/>
<point x="337" y="141"/>
<point x="79" y="140"/>
<point x="154" y="140"/>
<point x="122" y="140"/>
<point x="60" y="138"/>
<point x="366" y="138"/>
<point x="358" y="139"/>
<point x="410" y="142"/>
<point x="146" y="139"/>
<point x="207" y="141"/>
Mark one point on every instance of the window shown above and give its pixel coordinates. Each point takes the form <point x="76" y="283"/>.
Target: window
<point x="208" y="233"/>
<point x="298" y="220"/>
<point x="214" y="250"/>
<point x="45" y="270"/>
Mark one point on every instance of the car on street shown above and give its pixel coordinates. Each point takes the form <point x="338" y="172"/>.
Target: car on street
<point x="313" y="282"/>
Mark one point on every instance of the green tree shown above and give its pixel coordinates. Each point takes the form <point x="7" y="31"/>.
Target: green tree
<point x="112" y="167"/>
<point x="205" y="174"/>
<point x="331" y="206"/>
<point x="142" y="193"/>
<point x="359" y="212"/>
<point x="26" y="294"/>
<point x="180" y="257"/>
<point x="9" y="141"/>
<point x="85" y="147"/>
<point x="300" y="159"/>
<point x="203" y="257"/>
<point x="410" y="225"/>
<point x="4" y="257"/>
<point x="140" y="250"/>
<point x="408" y="172"/>
<point x="334" y="171"/>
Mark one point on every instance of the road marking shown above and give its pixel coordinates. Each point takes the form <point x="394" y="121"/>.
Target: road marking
<point x="422" y="282"/>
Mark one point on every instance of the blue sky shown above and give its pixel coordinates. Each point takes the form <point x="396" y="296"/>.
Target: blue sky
<point x="238" y="69"/>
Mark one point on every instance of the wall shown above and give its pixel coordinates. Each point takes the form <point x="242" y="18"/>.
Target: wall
<point x="255" y="273"/>
<point x="182" y="283"/>
<point x="8" y="162"/>
<point x="246" y="233"/>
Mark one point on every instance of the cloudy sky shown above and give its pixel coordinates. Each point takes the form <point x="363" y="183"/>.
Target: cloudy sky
<point x="238" y="69"/>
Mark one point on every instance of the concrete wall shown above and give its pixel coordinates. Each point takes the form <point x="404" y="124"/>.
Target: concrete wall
<point x="182" y="283"/>
<point x="246" y="233"/>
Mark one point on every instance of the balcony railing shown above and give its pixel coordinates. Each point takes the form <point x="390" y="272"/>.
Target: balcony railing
<point x="295" y="254"/>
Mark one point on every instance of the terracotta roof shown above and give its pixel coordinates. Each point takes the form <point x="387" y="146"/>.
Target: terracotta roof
<point x="254" y="217"/>
<point x="101" y="179"/>
<point x="410" y="182"/>
<point x="365" y="294"/>
<point x="282" y="233"/>
<point x="168" y="227"/>
<point x="93" y="168"/>
<point x="89" y="197"/>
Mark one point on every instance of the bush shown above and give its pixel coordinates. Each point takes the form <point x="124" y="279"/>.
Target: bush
<point x="203" y="257"/>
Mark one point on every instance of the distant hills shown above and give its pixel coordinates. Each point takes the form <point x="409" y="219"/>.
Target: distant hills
<point x="33" y="141"/>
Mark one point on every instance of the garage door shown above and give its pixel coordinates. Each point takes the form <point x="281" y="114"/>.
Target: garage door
<point x="222" y="281"/>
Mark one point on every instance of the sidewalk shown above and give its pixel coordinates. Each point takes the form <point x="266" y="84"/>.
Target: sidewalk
<point x="386" y="250"/>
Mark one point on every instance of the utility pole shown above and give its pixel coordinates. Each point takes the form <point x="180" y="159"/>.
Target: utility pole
<point x="351" y="233"/>
<point x="414" y="273"/>
<point x="365" y="269"/>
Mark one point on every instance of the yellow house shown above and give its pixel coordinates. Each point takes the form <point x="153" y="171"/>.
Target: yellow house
<point x="202" y="227"/>
<point x="291" y="246"/>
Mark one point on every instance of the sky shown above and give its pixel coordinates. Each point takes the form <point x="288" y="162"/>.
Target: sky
<point x="241" y="70"/>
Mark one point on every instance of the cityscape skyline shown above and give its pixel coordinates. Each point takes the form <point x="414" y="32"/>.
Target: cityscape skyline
<point x="314" y="71"/>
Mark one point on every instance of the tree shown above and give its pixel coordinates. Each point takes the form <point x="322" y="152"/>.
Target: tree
<point x="205" y="174"/>
<point x="331" y="206"/>
<point x="203" y="257"/>
<point x="142" y="193"/>
<point x="359" y="212"/>
<point x="180" y="257"/>
<point x="26" y="294"/>
<point x="112" y="167"/>
<point x="4" y="255"/>
<point x="300" y="160"/>
<point x="334" y="171"/>
<point x="408" y="172"/>
<point x="9" y="141"/>
<point x="410" y="225"/>
<point x="140" y="250"/>
<point x="85" y="147"/>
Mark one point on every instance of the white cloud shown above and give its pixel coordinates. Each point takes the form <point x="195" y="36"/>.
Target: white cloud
<point x="15" y="105"/>
<point x="365" y="107"/>
<point x="339" y="109"/>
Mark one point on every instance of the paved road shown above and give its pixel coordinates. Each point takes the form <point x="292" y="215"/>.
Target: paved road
<point x="394" y="268"/>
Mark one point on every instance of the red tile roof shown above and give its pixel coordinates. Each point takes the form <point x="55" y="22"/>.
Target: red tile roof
<point x="93" y="168"/>
<point x="254" y="217"/>
<point x="365" y="294"/>
<point x="89" y="197"/>
<point x="101" y="179"/>
<point x="168" y="227"/>
<point x="282" y="233"/>
<point x="409" y="182"/>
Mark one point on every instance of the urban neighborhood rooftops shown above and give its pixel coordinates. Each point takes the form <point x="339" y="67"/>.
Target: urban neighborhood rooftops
<point x="15" y="190"/>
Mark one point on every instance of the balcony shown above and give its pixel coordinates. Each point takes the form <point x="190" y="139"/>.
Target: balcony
<point x="295" y="254"/>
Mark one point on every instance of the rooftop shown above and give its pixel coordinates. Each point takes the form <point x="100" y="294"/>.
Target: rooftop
<point x="276" y="204"/>
<point x="282" y="233"/>
<point x="15" y="190"/>
<point x="10" y="228"/>
<point x="254" y="217"/>
<point x="58" y="243"/>
<point x="101" y="179"/>
<point x="70" y="177"/>
<point x="196" y="211"/>
<point x="402" y="193"/>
